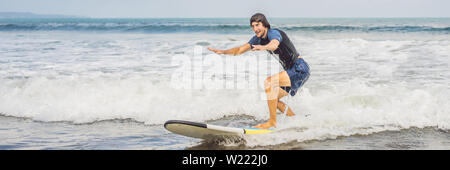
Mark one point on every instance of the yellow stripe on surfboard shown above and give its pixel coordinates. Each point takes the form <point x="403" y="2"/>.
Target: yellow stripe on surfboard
<point x="257" y="131"/>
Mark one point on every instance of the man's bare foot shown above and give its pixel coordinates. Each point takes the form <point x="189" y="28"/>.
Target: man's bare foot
<point x="266" y="125"/>
<point x="290" y="114"/>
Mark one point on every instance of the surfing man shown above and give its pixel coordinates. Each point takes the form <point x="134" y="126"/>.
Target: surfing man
<point x="296" y="70"/>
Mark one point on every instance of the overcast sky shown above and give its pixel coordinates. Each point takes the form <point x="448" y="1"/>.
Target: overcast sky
<point x="231" y="8"/>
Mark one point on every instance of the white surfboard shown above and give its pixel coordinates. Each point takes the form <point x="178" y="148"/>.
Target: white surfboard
<point x="207" y="131"/>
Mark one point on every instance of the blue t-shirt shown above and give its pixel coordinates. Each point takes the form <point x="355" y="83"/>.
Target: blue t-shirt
<point x="271" y="34"/>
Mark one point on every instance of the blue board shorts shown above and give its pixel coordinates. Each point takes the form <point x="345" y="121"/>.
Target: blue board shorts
<point x="298" y="75"/>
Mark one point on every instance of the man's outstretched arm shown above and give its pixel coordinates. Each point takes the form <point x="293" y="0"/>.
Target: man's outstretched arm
<point x="234" y="51"/>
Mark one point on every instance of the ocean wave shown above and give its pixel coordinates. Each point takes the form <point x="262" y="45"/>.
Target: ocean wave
<point x="337" y="28"/>
<point x="208" y="28"/>
<point x="118" y="27"/>
<point x="354" y="103"/>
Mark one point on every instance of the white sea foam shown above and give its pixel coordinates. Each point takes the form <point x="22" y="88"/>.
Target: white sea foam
<point x="343" y="109"/>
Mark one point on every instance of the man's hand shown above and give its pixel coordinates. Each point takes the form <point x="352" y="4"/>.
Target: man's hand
<point x="216" y="50"/>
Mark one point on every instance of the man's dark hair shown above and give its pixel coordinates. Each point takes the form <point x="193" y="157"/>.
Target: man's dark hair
<point x="258" y="17"/>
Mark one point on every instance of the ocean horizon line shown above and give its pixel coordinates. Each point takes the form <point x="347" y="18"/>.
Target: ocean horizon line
<point x="31" y="15"/>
